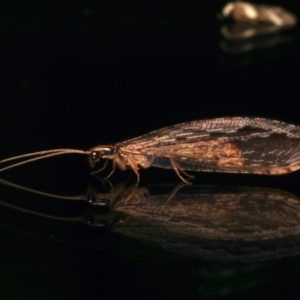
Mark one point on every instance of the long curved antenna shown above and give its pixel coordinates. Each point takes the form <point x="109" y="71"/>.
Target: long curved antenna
<point x="25" y="210"/>
<point x="38" y="153"/>
<point x="20" y="187"/>
<point x="41" y="155"/>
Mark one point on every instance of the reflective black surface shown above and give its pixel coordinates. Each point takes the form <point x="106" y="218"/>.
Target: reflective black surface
<point x="75" y="75"/>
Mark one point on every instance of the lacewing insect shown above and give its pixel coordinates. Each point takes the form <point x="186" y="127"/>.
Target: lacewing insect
<point x="235" y="145"/>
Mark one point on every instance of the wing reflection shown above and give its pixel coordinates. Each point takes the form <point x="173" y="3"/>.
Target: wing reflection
<point x="211" y="222"/>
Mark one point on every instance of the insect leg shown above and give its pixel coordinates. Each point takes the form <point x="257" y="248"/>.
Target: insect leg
<point x="177" y="169"/>
<point x="174" y="191"/>
<point x="117" y="161"/>
<point x="134" y="166"/>
<point x="187" y="175"/>
<point x="104" y="166"/>
<point x="135" y="170"/>
<point x="109" y="175"/>
<point x="113" y="170"/>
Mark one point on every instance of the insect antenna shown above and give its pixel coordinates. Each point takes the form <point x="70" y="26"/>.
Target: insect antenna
<point x="40" y="155"/>
<point x="85" y="219"/>
<point x="25" y="210"/>
<point x="20" y="187"/>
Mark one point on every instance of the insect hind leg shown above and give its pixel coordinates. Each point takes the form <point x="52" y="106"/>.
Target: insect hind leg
<point x="178" y="170"/>
<point x="186" y="174"/>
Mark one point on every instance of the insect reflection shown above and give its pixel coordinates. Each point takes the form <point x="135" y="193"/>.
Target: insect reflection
<point x="211" y="222"/>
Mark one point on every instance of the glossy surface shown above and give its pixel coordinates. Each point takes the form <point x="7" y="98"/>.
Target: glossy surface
<point x="88" y="72"/>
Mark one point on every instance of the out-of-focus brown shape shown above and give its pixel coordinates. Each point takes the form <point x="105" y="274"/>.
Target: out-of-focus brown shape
<point x="241" y="46"/>
<point x="243" y="30"/>
<point x="254" y="26"/>
<point x="254" y="13"/>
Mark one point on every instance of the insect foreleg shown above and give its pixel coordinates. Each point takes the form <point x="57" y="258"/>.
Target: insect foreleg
<point x="109" y="175"/>
<point x="101" y="169"/>
<point x="186" y="174"/>
<point x="113" y="169"/>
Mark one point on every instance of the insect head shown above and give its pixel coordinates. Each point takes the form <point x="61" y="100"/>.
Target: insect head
<point x="99" y="152"/>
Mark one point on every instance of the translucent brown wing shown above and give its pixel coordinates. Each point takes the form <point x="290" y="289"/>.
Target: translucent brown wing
<point x="248" y="145"/>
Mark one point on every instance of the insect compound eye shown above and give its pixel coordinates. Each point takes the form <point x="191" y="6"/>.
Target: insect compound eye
<point x="94" y="157"/>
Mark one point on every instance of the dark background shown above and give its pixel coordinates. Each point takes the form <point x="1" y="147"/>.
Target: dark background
<point x="75" y="74"/>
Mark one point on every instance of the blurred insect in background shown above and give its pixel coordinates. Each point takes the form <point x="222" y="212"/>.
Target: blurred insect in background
<point x="248" y="26"/>
<point x="253" y="13"/>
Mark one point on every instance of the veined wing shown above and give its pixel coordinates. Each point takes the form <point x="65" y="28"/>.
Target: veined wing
<point x="225" y="144"/>
<point x="220" y="127"/>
